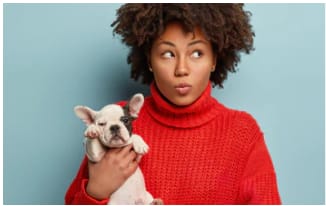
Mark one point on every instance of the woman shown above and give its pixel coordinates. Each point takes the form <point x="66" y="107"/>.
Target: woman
<point x="201" y="152"/>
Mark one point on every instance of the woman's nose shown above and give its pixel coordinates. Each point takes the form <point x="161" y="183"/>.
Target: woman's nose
<point x="181" y="68"/>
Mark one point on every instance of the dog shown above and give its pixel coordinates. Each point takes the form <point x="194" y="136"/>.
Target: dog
<point x="111" y="127"/>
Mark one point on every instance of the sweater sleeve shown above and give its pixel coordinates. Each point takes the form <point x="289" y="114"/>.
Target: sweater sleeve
<point x="76" y="193"/>
<point x="259" y="184"/>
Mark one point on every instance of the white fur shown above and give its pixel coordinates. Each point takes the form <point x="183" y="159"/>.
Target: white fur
<point x="98" y="138"/>
<point x="132" y="192"/>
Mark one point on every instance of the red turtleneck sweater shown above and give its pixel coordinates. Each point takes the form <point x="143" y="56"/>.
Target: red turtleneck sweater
<point x="204" y="153"/>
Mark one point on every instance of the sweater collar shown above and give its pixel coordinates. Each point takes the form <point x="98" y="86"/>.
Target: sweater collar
<point x="204" y="109"/>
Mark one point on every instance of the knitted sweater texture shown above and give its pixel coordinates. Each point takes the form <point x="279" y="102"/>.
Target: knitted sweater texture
<point x="203" y="153"/>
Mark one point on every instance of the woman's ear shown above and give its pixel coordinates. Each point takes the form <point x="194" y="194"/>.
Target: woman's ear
<point x="149" y="61"/>
<point x="214" y="63"/>
<point x="150" y="68"/>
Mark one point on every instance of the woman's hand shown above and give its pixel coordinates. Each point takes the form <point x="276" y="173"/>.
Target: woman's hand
<point x="111" y="172"/>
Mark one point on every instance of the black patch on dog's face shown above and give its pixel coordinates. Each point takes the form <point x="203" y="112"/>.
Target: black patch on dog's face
<point x="127" y="119"/>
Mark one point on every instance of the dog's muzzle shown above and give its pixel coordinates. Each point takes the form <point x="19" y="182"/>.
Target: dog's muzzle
<point x="114" y="129"/>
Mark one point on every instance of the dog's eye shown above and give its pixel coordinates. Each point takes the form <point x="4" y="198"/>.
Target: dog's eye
<point x="124" y="120"/>
<point x="101" y="123"/>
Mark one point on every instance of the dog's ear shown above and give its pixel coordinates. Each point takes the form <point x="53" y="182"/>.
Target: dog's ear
<point x="135" y="104"/>
<point x="86" y="114"/>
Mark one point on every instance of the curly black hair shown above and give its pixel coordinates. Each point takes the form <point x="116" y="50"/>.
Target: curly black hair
<point x="226" y="26"/>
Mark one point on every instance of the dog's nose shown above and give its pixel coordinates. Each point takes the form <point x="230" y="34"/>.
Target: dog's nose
<point x="114" y="128"/>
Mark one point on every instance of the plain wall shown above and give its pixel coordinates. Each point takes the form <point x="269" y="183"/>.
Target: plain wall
<point x="57" y="56"/>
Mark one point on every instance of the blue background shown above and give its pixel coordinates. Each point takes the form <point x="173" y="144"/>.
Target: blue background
<point x="59" y="55"/>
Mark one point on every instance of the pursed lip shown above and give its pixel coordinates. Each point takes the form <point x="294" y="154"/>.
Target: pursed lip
<point x="181" y="85"/>
<point x="183" y="88"/>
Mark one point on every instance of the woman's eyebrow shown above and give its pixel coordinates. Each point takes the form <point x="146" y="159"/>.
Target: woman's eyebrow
<point x="197" y="42"/>
<point x="167" y="43"/>
<point x="189" y="44"/>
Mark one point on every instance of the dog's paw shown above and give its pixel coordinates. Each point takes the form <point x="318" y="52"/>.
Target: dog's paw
<point x="141" y="148"/>
<point x="92" y="131"/>
<point x="139" y="145"/>
<point x="139" y="202"/>
<point x="157" y="202"/>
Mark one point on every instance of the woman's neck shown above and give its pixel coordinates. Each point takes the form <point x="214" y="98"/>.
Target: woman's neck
<point x="199" y="112"/>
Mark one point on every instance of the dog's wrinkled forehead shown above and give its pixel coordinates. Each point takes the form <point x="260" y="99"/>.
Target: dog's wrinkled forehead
<point x="111" y="112"/>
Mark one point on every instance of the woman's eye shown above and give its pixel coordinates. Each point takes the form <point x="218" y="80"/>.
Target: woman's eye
<point x="167" y="55"/>
<point x="196" y="54"/>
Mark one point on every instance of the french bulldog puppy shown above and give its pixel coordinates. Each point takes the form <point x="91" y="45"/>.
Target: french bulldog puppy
<point x="111" y="127"/>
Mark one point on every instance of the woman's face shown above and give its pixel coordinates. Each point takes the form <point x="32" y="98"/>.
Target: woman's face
<point x="181" y="64"/>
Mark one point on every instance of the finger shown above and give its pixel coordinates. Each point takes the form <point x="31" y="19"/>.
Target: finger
<point x="131" y="156"/>
<point x="138" y="158"/>
<point x="125" y="151"/>
<point x="113" y="151"/>
<point x="129" y="160"/>
<point x="132" y="166"/>
<point x="91" y="162"/>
